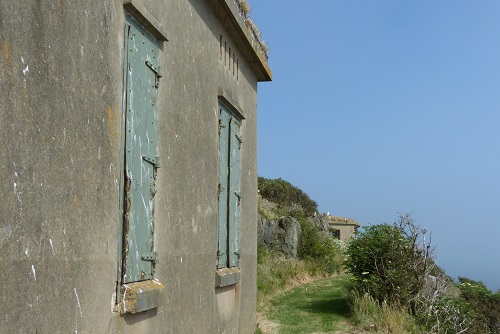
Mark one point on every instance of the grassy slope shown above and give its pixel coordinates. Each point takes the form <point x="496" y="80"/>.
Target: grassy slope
<point x="317" y="307"/>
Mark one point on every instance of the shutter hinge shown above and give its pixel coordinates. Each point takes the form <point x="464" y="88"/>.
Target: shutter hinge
<point x="157" y="70"/>
<point x="154" y="160"/>
<point x="221" y="188"/>
<point x="152" y="256"/>
<point x="240" y="140"/>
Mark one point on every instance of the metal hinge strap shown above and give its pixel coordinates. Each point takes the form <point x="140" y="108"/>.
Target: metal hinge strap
<point x="152" y="256"/>
<point x="154" y="160"/>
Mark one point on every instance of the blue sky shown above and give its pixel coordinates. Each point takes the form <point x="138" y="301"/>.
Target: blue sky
<point x="380" y="107"/>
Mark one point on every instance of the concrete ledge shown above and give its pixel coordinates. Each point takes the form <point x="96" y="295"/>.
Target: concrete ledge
<point x="229" y="16"/>
<point x="146" y="18"/>
<point x="227" y="276"/>
<point x="140" y="296"/>
<point x="230" y="102"/>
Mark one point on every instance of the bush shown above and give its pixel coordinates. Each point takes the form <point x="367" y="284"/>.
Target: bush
<point x="484" y="304"/>
<point x="476" y="311"/>
<point x="291" y="200"/>
<point x="389" y="263"/>
<point x="446" y="315"/>
<point x="321" y="250"/>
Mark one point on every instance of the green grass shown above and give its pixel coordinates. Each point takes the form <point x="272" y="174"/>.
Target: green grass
<point x="320" y="306"/>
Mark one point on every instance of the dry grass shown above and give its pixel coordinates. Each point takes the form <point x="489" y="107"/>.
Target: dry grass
<point x="380" y="318"/>
<point x="268" y="209"/>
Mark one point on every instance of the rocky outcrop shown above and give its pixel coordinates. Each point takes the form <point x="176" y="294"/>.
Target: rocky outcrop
<point x="282" y="234"/>
<point x="321" y="222"/>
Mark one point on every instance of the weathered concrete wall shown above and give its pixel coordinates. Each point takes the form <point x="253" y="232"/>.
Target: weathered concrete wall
<point x="346" y="226"/>
<point x="346" y="231"/>
<point x="60" y="110"/>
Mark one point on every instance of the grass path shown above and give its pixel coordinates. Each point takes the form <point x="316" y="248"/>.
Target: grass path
<point x="317" y="307"/>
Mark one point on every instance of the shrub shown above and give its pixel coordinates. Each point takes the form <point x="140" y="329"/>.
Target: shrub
<point x="484" y="304"/>
<point x="319" y="249"/>
<point x="476" y="311"/>
<point x="291" y="200"/>
<point x="389" y="263"/>
<point x="446" y="315"/>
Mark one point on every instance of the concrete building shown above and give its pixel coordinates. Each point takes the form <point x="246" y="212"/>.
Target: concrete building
<point x="344" y="227"/>
<point x="128" y="166"/>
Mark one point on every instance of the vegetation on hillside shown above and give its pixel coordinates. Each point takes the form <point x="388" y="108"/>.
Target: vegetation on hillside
<point x="395" y="290"/>
<point x="395" y="285"/>
<point x="291" y="200"/>
<point x="390" y="262"/>
<point x="321" y="251"/>
<point x="318" y="253"/>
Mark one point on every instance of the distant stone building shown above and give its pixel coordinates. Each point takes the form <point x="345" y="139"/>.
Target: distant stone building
<point x="128" y="161"/>
<point x="344" y="228"/>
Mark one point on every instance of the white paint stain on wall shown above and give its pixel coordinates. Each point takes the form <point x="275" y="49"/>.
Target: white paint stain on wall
<point x="52" y="246"/>
<point x="26" y="69"/>
<point x="78" y="302"/>
<point x="5" y="233"/>
<point x="18" y="194"/>
<point x="16" y="187"/>
<point x="33" y="271"/>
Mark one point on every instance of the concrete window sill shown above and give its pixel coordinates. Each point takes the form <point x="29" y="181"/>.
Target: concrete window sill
<point x="227" y="276"/>
<point x="140" y="296"/>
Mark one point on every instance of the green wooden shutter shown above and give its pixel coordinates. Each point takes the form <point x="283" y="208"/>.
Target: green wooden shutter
<point x="234" y="192"/>
<point x="224" y="123"/>
<point x="141" y="160"/>
<point x="229" y="189"/>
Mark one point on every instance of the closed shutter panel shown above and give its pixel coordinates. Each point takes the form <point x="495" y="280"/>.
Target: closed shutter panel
<point x="224" y="123"/>
<point x="141" y="159"/>
<point x="234" y="192"/>
<point x="229" y="189"/>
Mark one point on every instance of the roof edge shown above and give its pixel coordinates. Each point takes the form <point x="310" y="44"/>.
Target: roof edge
<point x="227" y="12"/>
